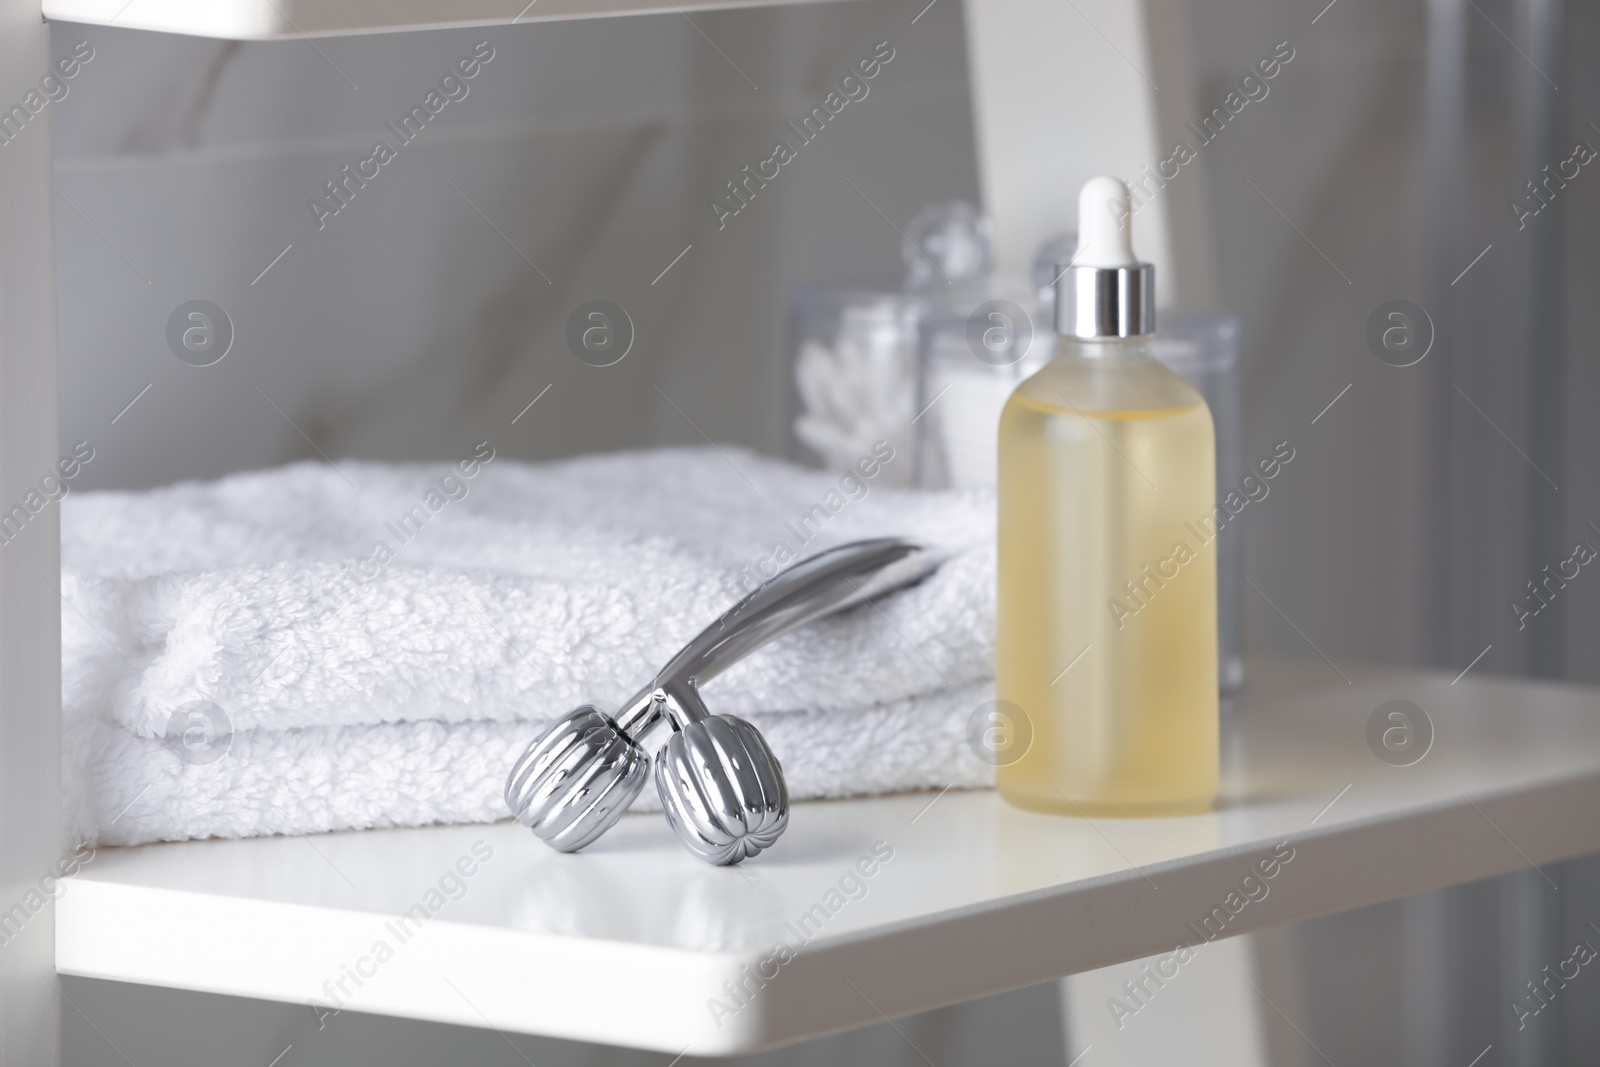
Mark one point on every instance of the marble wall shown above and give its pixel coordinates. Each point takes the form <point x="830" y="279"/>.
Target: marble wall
<point x="432" y="309"/>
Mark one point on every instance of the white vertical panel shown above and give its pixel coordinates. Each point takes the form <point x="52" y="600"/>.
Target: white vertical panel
<point x="30" y="628"/>
<point x="1063" y="92"/>
<point x="1201" y="1013"/>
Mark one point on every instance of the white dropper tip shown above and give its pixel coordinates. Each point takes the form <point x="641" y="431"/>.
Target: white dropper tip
<point x="1105" y="230"/>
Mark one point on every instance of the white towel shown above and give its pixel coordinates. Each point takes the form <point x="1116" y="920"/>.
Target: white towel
<point x="317" y="648"/>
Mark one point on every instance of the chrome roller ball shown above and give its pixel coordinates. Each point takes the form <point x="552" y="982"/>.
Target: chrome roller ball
<point x="576" y="780"/>
<point x="722" y="789"/>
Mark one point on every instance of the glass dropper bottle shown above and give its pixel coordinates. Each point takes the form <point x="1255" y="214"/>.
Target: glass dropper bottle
<point x="1106" y="642"/>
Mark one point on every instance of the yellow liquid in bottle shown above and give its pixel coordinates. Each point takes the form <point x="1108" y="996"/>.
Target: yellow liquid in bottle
<point x="1106" y="636"/>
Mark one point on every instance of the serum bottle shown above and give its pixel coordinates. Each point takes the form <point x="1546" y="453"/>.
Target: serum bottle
<point x="1106" y="641"/>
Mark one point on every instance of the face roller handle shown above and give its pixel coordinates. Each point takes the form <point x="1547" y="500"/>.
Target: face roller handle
<point x="825" y="584"/>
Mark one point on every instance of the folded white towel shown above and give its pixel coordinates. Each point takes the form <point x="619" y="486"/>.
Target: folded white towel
<point x="382" y="640"/>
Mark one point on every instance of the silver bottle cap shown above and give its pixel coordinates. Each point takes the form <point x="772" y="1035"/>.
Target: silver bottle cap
<point x="1105" y="301"/>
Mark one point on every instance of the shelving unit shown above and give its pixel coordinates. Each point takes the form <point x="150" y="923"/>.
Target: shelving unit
<point x="265" y="20"/>
<point x="976" y="897"/>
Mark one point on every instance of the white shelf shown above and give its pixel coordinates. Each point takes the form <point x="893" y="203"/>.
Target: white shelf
<point x="626" y="943"/>
<point x="262" y="20"/>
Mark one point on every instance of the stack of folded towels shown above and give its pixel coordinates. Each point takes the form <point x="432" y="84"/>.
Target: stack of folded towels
<point x="322" y="648"/>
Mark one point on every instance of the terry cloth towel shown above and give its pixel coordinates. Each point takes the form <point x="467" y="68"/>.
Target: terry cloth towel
<point x="320" y="648"/>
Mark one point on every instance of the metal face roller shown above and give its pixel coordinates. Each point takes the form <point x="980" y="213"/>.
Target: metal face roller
<point x="721" y="786"/>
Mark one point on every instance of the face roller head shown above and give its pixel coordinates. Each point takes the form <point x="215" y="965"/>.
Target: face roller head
<point x="576" y="780"/>
<point x="721" y="787"/>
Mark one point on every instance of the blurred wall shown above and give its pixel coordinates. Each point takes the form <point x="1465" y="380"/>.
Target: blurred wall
<point x="432" y="309"/>
<point x="1378" y="168"/>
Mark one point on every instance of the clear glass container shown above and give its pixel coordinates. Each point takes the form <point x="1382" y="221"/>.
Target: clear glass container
<point x="854" y="351"/>
<point x="1204" y="348"/>
<point x="855" y="373"/>
<point x="972" y="353"/>
<point x="971" y="358"/>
